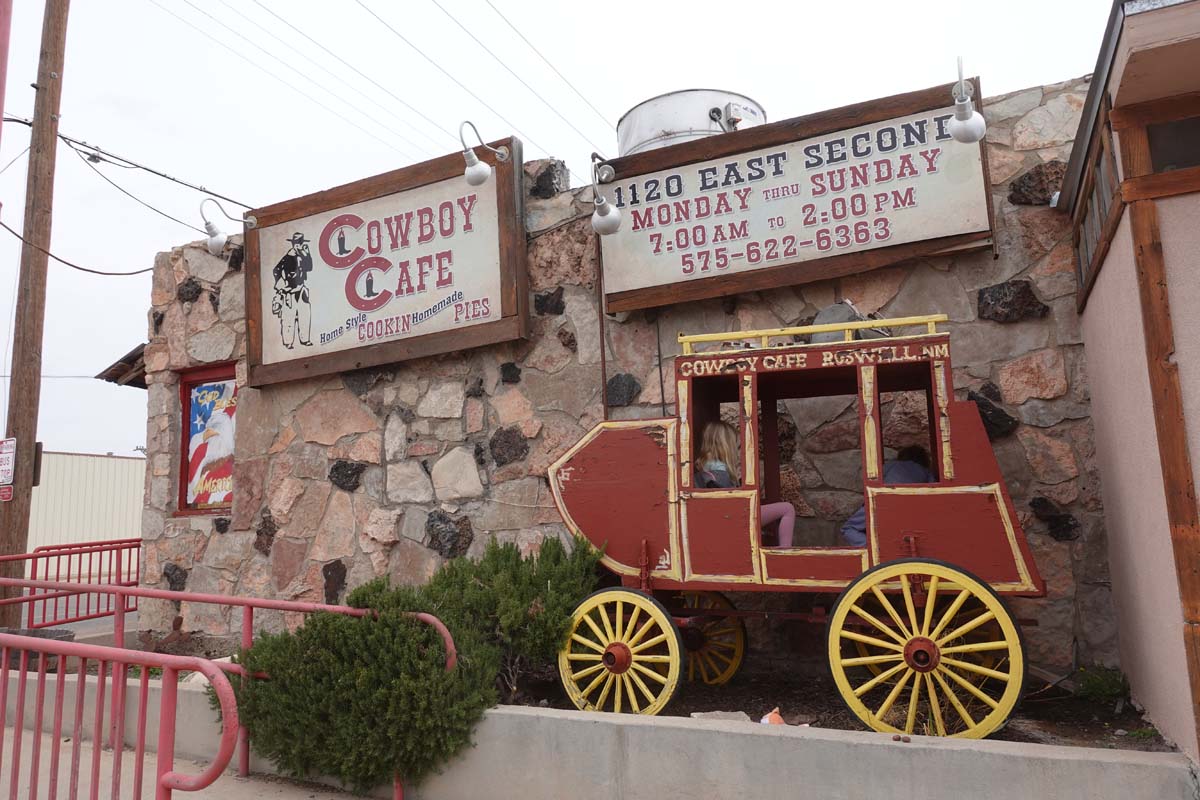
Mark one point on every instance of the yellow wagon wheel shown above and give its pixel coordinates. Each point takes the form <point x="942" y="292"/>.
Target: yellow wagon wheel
<point x="624" y="654"/>
<point x="715" y="646"/>
<point x="919" y="646"/>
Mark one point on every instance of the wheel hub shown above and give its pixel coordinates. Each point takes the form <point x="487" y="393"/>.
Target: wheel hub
<point x="693" y="638"/>
<point x="617" y="658"/>
<point x="922" y="654"/>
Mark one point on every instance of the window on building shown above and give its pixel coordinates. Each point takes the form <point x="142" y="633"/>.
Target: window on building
<point x="1174" y="145"/>
<point x="209" y="406"/>
<point x="1092" y="217"/>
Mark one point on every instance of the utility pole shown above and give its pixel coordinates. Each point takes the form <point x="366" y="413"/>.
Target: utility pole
<point x="26" y="388"/>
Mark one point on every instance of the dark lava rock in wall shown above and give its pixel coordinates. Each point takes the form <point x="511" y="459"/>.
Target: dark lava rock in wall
<point x="1011" y="301"/>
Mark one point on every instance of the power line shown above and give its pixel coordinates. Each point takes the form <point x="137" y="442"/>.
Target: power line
<point x="423" y="148"/>
<point x="460" y="84"/>
<point x="70" y="264"/>
<point x="113" y="159"/>
<point x="126" y="192"/>
<point x="364" y="75"/>
<point x="14" y="160"/>
<point x="499" y="61"/>
<point x="515" y="30"/>
<point x="260" y="48"/>
<point x="285" y="82"/>
<point x="89" y="377"/>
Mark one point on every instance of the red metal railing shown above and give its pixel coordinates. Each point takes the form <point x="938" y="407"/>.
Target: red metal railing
<point x="34" y="590"/>
<point x="116" y="562"/>
<point x="109" y="662"/>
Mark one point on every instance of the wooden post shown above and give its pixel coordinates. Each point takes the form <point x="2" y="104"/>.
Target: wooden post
<point x="25" y="387"/>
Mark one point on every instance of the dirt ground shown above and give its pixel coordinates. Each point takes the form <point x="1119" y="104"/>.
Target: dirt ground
<point x="1046" y="715"/>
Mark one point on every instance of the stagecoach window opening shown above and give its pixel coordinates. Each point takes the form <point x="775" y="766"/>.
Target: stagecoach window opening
<point x="907" y="412"/>
<point x="714" y="398"/>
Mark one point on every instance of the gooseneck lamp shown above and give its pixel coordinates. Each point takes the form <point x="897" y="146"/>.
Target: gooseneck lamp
<point x="968" y="125"/>
<point x="606" y="219"/>
<point x="217" y="237"/>
<point x="477" y="172"/>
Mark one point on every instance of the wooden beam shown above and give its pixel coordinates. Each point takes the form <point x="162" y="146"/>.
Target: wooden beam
<point x="1153" y="112"/>
<point x="1167" y="408"/>
<point x="1161" y="184"/>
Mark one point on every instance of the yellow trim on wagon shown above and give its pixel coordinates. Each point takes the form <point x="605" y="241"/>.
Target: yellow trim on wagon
<point x="764" y="335"/>
<point x="861" y="552"/>
<point x="1025" y="584"/>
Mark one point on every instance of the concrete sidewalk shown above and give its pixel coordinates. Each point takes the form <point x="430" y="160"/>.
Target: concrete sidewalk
<point x="226" y="787"/>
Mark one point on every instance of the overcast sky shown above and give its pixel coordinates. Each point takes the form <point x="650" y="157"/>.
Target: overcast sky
<point x="144" y="84"/>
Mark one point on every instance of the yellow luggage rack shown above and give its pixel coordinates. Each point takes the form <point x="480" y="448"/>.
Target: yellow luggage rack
<point x="930" y="322"/>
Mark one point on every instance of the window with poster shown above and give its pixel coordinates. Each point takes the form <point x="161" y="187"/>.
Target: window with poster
<point x="209" y="403"/>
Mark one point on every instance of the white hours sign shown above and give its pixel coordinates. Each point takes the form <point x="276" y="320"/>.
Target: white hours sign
<point x="796" y="210"/>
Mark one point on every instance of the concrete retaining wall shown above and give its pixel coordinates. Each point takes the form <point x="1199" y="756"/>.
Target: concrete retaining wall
<point x="544" y="754"/>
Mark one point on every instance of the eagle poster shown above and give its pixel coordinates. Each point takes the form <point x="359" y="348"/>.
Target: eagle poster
<point x="210" y="444"/>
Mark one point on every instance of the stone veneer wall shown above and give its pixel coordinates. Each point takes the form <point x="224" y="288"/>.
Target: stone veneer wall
<point x="393" y="470"/>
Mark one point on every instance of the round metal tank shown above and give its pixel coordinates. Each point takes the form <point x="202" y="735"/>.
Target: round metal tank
<point x="683" y="116"/>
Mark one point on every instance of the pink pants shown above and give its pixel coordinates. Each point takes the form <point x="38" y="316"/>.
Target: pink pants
<point x="785" y="515"/>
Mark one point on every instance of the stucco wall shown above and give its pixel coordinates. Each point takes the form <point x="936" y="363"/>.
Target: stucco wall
<point x="1145" y="593"/>
<point x="1177" y="222"/>
<point x="452" y="451"/>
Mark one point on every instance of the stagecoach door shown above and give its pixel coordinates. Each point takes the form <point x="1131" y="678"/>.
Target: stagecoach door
<point x="720" y="526"/>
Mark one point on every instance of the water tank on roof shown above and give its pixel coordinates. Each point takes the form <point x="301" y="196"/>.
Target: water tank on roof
<point x="683" y="116"/>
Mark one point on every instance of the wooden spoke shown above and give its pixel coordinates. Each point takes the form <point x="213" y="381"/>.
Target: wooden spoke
<point x="662" y="637"/>
<point x="608" y="684"/>
<point x="861" y="660"/>
<point x="596" y="630"/>
<point x="970" y="687"/>
<point x="963" y="594"/>
<point x="871" y="640"/>
<point x="645" y="690"/>
<point x="890" y="632"/>
<point x="652" y="659"/>
<point x="991" y="673"/>
<point x="893" y="694"/>
<point x="964" y="629"/>
<point x="584" y="656"/>
<point x="583" y="673"/>
<point x="878" y="679"/>
<point x="617" y="696"/>
<point x="707" y="658"/>
<point x="721" y="656"/>
<point x="975" y="647"/>
<point x="913" y="699"/>
<point x="649" y="673"/>
<point x="935" y="706"/>
<point x="637" y="637"/>
<point x="575" y="637"/>
<point x="703" y="671"/>
<point x="953" y="698"/>
<point x="722" y="632"/>
<point x="929" y="602"/>
<point x="633" y="616"/>
<point x="591" y="687"/>
<point x="891" y="609"/>
<point x="724" y="645"/>
<point x="608" y="628"/>
<point x="620" y="619"/>
<point x="629" y="695"/>
<point x="906" y="589"/>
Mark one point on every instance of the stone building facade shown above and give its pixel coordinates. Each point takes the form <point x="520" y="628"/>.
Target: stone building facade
<point x="392" y="470"/>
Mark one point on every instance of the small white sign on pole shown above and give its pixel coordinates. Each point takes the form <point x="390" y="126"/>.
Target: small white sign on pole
<point x="8" y="460"/>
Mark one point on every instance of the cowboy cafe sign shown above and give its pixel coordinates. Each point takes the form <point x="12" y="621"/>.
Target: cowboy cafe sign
<point x="410" y="263"/>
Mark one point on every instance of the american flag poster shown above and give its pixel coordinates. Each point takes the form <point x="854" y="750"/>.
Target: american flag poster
<point x="210" y="444"/>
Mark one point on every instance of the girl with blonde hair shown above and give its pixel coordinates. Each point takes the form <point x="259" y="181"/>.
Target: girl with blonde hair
<point x="718" y="469"/>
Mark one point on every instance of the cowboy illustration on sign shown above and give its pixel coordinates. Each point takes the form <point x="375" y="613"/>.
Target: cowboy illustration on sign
<point x="291" y="303"/>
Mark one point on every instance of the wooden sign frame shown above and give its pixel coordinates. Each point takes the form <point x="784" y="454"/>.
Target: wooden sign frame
<point x="513" y="322"/>
<point x="780" y="133"/>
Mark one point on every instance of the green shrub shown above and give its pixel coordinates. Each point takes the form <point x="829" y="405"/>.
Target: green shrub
<point x="521" y="607"/>
<point x="1101" y="684"/>
<point x="365" y="699"/>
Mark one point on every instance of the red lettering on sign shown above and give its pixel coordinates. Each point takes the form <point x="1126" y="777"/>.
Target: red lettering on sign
<point x="424" y="225"/>
<point x="339" y="262"/>
<point x="352" y="296"/>
<point x="445" y="260"/>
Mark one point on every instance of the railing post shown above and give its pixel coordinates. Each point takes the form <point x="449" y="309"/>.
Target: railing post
<point x="120" y="673"/>
<point x="166" y="731"/>
<point x="243" y="733"/>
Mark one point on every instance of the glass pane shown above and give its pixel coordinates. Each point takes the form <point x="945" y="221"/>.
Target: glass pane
<point x="1175" y="145"/>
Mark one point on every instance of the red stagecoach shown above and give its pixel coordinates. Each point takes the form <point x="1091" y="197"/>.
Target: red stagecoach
<point x="919" y="638"/>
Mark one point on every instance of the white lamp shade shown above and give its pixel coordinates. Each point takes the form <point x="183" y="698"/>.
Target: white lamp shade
<point x="967" y="125"/>
<point x="216" y="239"/>
<point x="477" y="172"/>
<point x="606" y="219"/>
